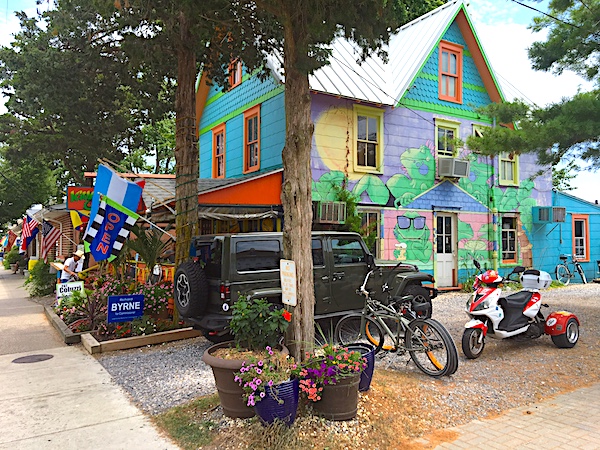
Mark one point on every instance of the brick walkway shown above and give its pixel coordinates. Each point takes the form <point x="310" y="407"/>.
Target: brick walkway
<point x="569" y="420"/>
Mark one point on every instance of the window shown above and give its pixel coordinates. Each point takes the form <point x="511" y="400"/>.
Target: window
<point x="509" y="239"/>
<point x="317" y="253"/>
<point x="252" y="139"/>
<point x="450" y="72"/>
<point x="581" y="237"/>
<point x="368" y="135"/>
<point x="508" y="168"/>
<point x="235" y="74"/>
<point x="347" y="251"/>
<point x="370" y="226"/>
<point x="257" y="255"/>
<point x="446" y="133"/>
<point x="219" y="152"/>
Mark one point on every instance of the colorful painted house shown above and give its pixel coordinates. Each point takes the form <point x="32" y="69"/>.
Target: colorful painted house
<point x="391" y="134"/>
<point x="568" y="227"/>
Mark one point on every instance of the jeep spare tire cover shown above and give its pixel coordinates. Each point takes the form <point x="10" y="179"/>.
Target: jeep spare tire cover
<point x="191" y="289"/>
<point x="421" y="295"/>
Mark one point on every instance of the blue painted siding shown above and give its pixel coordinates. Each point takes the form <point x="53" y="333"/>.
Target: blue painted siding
<point x="426" y="89"/>
<point x="553" y="239"/>
<point x="272" y="133"/>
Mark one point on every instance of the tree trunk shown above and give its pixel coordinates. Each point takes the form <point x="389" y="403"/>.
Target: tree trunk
<point x="186" y="153"/>
<point x="296" y="197"/>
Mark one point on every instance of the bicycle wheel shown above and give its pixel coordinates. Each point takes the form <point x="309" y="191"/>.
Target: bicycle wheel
<point x="453" y="350"/>
<point x="430" y="348"/>
<point x="563" y="274"/>
<point x="581" y="273"/>
<point x="351" y="329"/>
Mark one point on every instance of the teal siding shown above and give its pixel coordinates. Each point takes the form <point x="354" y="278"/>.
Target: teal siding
<point x="426" y="83"/>
<point x="272" y="137"/>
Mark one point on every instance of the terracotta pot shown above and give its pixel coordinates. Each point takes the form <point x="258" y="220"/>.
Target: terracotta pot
<point x="230" y="392"/>
<point x="339" y="401"/>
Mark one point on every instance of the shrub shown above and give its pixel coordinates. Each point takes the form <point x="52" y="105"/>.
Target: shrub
<point x="40" y="282"/>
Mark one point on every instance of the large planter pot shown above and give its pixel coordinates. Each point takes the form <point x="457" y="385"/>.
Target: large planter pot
<point x="368" y="352"/>
<point x="339" y="401"/>
<point x="230" y="392"/>
<point x="280" y="403"/>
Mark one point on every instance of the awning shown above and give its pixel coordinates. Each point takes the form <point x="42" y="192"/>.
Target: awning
<point x="239" y="212"/>
<point x="263" y="189"/>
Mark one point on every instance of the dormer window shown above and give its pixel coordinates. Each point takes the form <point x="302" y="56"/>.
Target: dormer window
<point x="450" y="72"/>
<point x="235" y="74"/>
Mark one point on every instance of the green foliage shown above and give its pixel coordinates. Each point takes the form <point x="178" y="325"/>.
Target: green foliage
<point x="12" y="256"/>
<point x="561" y="178"/>
<point x="40" y="282"/>
<point x="256" y="323"/>
<point x="354" y="220"/>
<point x="148" y="244"/>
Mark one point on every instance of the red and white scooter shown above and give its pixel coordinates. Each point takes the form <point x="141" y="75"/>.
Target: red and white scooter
<point x="516" y="315"/>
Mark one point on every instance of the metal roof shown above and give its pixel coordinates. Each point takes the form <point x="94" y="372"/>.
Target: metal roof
<point x="373" y="80"/>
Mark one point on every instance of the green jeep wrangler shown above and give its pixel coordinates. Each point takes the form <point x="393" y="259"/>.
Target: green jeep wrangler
<point x="228" y="265"/>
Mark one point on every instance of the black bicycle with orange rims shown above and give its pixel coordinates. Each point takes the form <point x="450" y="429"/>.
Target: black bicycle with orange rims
<point x="397" y="324"/>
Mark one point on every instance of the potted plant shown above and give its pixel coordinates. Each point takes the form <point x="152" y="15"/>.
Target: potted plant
<point x="255" y="324"/>
<point x="271" y="386"/>
<point x="330" y="377"/>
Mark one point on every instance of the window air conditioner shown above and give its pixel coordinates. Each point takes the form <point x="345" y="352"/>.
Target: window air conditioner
<point x="453" y="167"/>
<point x="549" y="214"/>
<point x="330" y="212"/>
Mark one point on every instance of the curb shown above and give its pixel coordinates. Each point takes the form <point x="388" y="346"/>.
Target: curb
<point x="68" y="336"/>
<point x="93" y="346"/>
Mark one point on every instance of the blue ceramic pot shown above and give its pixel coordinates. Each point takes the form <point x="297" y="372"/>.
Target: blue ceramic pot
<point x="280" y="402"/>
<point x="368" y="352"/>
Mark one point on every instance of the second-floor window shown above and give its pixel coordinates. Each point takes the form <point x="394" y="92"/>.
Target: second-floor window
<point x="252" y="139"/>
<point x="235" y="74"/>
<point x="508" y="168"/>
<point x="450" y="72"/>
<point x="369" y="138"/>
<point x="219" y="151"/>
<point x="446" y="133"/>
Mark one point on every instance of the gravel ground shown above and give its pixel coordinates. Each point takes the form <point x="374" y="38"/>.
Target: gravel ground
<point x="508" y="374"/>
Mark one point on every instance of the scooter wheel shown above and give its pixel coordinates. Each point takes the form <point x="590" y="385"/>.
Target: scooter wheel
<point x="570" y="336"/>
<point x="473" y="342"/>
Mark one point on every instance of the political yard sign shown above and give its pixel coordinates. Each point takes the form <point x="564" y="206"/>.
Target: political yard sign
<point x="125" y="308"/>
<point x="66" y="289"/>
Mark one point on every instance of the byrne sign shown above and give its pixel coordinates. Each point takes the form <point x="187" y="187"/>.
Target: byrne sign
<point x="124" y="308"/>
<point x="65" y="289"/>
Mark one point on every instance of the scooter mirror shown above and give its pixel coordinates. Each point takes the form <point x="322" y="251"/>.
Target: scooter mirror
<point x="476" y="264"/>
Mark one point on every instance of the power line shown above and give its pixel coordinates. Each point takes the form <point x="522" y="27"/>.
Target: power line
<point x="546" y="14"/>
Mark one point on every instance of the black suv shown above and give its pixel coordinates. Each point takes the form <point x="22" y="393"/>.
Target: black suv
<point x="228" y="265"/>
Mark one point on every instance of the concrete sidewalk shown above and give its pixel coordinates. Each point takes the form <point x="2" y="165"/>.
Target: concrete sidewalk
<point x="61" y="397"/>
<point x="569" y="420"/>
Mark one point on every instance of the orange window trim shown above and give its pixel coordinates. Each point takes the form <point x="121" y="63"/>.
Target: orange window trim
<point x="219" y="130"/>
<point x="586" y="226"/>
<point x="235" y="74"/>
<point x="253" y="112"/>
<point x="457" y="50"/>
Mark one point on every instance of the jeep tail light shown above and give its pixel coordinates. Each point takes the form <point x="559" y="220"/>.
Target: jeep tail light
<point x="225" y="291"/>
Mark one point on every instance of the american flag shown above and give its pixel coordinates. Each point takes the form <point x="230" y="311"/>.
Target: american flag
<point x="29" y="224"/>
<point x="49" y="236"/>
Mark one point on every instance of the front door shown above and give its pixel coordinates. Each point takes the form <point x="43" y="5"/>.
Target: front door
<point x="446" y="250"/>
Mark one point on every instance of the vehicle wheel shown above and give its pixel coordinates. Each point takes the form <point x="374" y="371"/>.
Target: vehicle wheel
<point x="421" y="295"/>
<point x="351" y="329"/>
<point x="190" y="289"/>
<point x="471" y="345"/>
<point x="570" y="337"/>
<point x="452" y="368"/>
<point x="581" y="274"/>
<point x="430" y="348"/>
<point x="562" y="274"/>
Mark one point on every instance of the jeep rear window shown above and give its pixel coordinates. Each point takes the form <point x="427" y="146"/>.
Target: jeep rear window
<point x="257" y="255"/>
<point x="210" y="255"/>
<point x="347" y="251"/>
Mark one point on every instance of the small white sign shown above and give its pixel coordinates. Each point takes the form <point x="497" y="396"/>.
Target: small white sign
<point x="65" y="289"/>
<point x="287" y="272"/>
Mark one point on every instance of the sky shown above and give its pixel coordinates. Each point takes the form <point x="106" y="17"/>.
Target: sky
<point x="502" y="27"/>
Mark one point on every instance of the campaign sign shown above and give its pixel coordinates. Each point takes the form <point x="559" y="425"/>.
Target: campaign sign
<point x="125" y="308"/>
<point x="66" y="289"/>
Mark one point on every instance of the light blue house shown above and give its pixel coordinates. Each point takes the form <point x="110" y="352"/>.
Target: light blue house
<point x="571" y="226"/>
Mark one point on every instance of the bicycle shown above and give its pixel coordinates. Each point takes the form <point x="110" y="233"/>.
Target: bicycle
<point x="564" y="274"/>
<point x="394" y="326"/>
